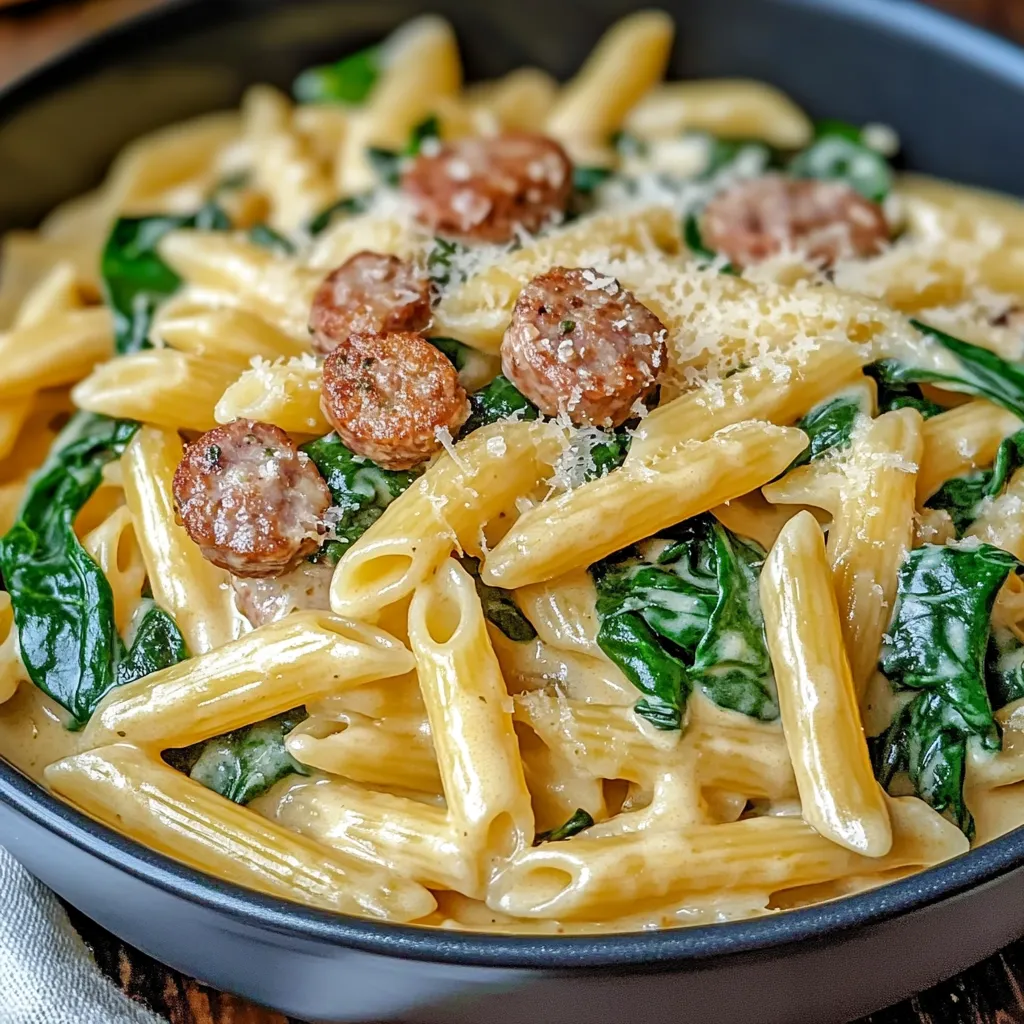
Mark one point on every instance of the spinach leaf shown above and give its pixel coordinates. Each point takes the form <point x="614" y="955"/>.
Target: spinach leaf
<point x="347" y="207"/>
<point x="608" y="455"/>
<point x="749" y="156"/>
<point x="691" y="615"/>
<point x="499" y="400"/>
<point x="981" y="372"/>
<point x="585" y="180"/>
<point x="135" y="279"/>
<point x="838" y="154"/>
<point x="937" y="643"/>
<point x="63" y="605"/>
<point x="157" y="644"/>
<point x="499" y="606"/>
<point x="243" y="764"/>
<point x="1004" y="668"/>
<point x="360" y="489"/>
<point x="963" y="495"/>
<point x="894" y="393"/>
<point x="829" y="425"/>
<point x="647" y="663"/>
<point x="349" y="80"/>
<point x="627" y="144"/>
<point x="439" y="260"/>
<point x="579" y="821"/>
<point x="387" y="163"/>
<point x="265" y="236"/>
<point x="474" y="367"/>
<point x="694" y="240"/>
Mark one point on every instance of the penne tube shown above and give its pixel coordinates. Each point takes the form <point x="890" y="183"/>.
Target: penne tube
<point x="1000" y="520"/>
<point x="563" y="611"/>
<point x="193" y="591"/>
<point x="471" y="722"/>
<point x="933" y="208"/>
<point x="446" y="508"/>
<point x="629" y="59"/>
<point x="60" y="350"/>
<point x="872" y="531"/>
<point x="12" y="671"/>
<point x="127" y="789"/>
<point x="235" y="272"/>
<point x="960" y="440"/>
<point x="414" y="840"/>
<point x="727" y="108"/>
<point x="838" y="792"/>
<point x="371" y="751"/>
<point x="753" y="516"/>
<point x="285" y="393"/>
<point x="114" y="548"/>
<point x="13" y="414"/>
<point x="392" y="235"/>
<point x="583" y="879"/>
<point x="159" y="387"/>
<point x="780" y="392"/>
<point x="636" y="501"/>
<point x="479" y="309"/>
<point x="54" y="294"/>
<point x="226" y="335"/>
<point x="303" y="657"/>
<point x="521" y="99"/>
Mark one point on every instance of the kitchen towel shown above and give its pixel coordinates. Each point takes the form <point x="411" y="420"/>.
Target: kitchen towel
<point x="47" y="975"/>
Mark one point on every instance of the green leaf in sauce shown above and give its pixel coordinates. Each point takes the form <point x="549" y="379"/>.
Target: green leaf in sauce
<point x="499" y="400"/>
<point x="937" y="644"/>
<point x="135" y="278"/>
<point x="499" y="606"/>
<point x="360" y="489"/>
<point x="694" y="602"/>
<point x="829" y="425"/>
<point x="349" y="80"/>
<point x="1004" y="667"/>
<point x="838" y="154"/>
<point x="63" y="604"/>
<point x="267" y="238"/>
<point x="242" y="765"/>
<point x="895" y="393"/>
<point x="579" y="821"/>
<point x="347" y="207"/>
<point x="387" y="163"/>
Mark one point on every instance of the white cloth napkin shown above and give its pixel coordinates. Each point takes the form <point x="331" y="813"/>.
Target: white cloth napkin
<point x="46" y="973"/>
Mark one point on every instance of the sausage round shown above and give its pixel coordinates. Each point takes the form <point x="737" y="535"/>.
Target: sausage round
<point x="760" y="218"/>
<point x="252" y="502"/>
<point x="581" y="344"/>
<point x="482" y="189"/>
<point x="370" y="293"/>
<point x="389" y="396"/>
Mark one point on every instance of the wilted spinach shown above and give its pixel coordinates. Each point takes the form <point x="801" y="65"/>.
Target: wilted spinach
<point x="499" y="400"/>
<point x="936" y="644"/>
<point x="360" y="489"/>
<point x="135" y="279"/>
<point x="499" y="606"/>
<point x="267" y="238"/>
<point x="683" y="611"/>
<point x="388" y="162"/>
<point x="347" y="207"/>
<point x="1004" y="668"/>
<point x="63" y="605"/>
<point x="579" y="821"/>
<point x="243" y="764"/>
<point x="893" y="393"/>
<point x="962" y="496"/>
<point x="838" y="154"/>
<point x="829" y="425"/>
<point x="349" y="80"/>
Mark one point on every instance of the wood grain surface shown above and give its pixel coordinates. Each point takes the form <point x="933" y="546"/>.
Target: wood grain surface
<point x="990" y="993"/>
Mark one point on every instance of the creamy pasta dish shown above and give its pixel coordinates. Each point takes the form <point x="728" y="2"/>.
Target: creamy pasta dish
<point x="519" y="506"/>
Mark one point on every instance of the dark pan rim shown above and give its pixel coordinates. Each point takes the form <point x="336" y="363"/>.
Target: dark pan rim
<point x="695" y="944"/>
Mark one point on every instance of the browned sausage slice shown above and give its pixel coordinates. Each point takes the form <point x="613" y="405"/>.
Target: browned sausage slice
<point x="482" y="189"/>
<point x="759" y="218"/>
<point x="389" y="396"/>
<point x="581" y="344"/>
<point x="370" y="293"/>
<point x="252" y="502"/>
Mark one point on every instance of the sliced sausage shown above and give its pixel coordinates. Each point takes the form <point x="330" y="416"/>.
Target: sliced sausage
<point x="759" y="218"/>
<point x="252" y="502"/>
<point x="482" y="189"/>
<point x="306" y="587"/>
<point x="581" y="344"/>
<point x="389" y="396"/>
<point x="370" y="293"/>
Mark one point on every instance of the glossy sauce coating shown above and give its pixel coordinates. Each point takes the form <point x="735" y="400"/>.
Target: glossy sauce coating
<point x="582" y="344"/>
<point x="252" y="502"/>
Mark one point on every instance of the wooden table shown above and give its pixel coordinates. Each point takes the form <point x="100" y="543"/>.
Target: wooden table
<point x="990" y="993"/>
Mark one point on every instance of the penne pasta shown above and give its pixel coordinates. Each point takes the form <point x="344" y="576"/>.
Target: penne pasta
<point x="284" y="392"/>
<point x="838" y="792"/>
